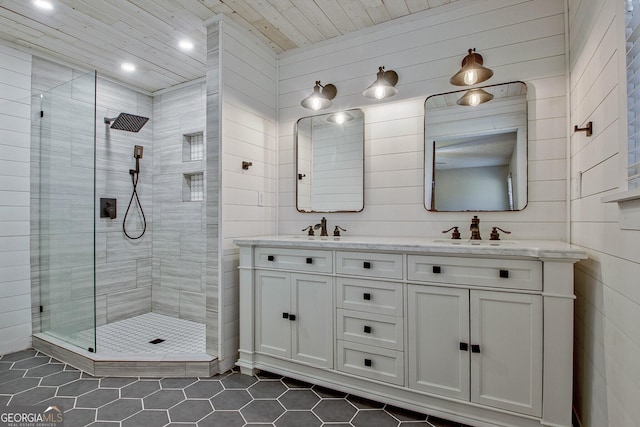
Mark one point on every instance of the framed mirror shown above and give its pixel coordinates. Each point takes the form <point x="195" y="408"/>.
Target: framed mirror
<point x="330" y="162"/>
<point x="476" y="153"/>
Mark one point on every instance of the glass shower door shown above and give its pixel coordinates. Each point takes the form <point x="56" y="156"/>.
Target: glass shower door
<point x="65" y="193"/>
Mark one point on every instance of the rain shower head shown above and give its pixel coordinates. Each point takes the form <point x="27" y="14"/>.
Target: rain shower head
<point x="128" y="122"/>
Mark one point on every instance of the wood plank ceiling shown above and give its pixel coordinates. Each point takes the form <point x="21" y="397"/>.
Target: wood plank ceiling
<point x="100" y="35"/>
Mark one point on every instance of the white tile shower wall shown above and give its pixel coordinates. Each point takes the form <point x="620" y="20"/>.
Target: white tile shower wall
<point x="212" y="169"/>
<point x="179" y="227"/>
<point x="519" y="41"/>
<point x="15" y="128"/>
<point x="128" y="292"/>
<point x="607" y="309"/>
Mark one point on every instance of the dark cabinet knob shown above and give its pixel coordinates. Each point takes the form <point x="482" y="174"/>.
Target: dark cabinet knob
<point x="464" y="346"/>
<point x="285" y="315"/>
<point x="366" y="296"/>
<point x="366" y="265"/>
<point x="271" y="258"/>
<point x="504" y="274"/>
<point x="309" y="260"/>
<point x="368" y="362"/>
<point x="292" y="317"/>
<point x="367" y="329"/>
<point x="475" y="348"/>
<point x="437" y="269"/>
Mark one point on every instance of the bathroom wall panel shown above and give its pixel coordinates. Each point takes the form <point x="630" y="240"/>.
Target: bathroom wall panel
<point x="248" y="128"/>
<point x="179" y="226"/>
<point x="519" y="41"/>
<point x="15" y="128"/>
<point x="607" y="342"/>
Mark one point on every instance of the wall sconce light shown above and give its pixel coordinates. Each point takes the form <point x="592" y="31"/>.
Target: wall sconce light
<point x="474" y="97"/>
<point x="321" y="97"/>
<point x="384" y="86"/>
<point x="339" y="117"/>
<point x="472" y="71"/>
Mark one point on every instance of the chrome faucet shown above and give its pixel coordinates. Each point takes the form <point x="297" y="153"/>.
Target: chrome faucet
<point x="475" y="228"/>
<point x="322" y="226"/>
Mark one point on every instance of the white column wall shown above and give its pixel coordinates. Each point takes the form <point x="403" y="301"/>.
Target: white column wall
<point x="15" y="143"/>
<point x="607" y="309"/>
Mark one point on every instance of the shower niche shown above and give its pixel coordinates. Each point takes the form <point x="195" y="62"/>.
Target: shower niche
<point x="193" y="187"/>
<point x="193" y="182"/>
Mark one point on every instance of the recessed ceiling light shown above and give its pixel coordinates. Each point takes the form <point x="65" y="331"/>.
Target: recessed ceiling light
<point x="185" y="44"/>
<point x="128" y="67"/>
<point x="43" y="4"/>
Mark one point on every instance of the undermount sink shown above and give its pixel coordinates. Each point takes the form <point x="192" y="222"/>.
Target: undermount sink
<point x="476" y="242"/>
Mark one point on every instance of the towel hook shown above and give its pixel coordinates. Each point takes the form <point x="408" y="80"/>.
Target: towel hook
<point x="588" y="129"/>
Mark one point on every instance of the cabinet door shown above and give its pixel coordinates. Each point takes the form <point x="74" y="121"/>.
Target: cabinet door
<point x="438" y="324"/>
<point x="273" y="298"/>
<point x="507" y="370"/>
<point x="312" y="334"/>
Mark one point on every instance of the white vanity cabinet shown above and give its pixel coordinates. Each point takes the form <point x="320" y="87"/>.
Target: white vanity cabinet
<point x="480" y="346"/>
<point x="484" y="346"/>
<point x="294" y="311"/>
<point x="479" y="334"/>
<point x="294" y="316"/>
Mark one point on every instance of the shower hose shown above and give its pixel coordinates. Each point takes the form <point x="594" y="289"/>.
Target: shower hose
<point x="134" y="194"/>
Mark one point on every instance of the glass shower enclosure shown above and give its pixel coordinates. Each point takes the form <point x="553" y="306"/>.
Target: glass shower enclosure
<point x="64" y="192"/>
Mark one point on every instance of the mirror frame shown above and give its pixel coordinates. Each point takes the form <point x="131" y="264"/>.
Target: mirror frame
<point x="430" y="169"/>
<point x="297" y="166"/>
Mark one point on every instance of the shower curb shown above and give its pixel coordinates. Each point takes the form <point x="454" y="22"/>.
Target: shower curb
<point x="131" y="365"/>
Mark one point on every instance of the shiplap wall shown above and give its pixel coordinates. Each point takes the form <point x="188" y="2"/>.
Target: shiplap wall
<point x="607" y="337"/>
<point x="248" y="133"/>
<point x="15" y="129"/>
<point x="520" y="40"/>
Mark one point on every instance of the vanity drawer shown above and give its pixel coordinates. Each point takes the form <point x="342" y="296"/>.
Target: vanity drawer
<point x="371" y="329"/>
<point x="369" y="295"/>
<point x="371" y="362"/>
<point x="380" y="265"/>
<point x="312" y="260"/>
<point x="514" y="274"/>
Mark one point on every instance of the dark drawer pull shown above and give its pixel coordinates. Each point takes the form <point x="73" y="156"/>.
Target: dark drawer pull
<point x="368" y="362"/>
<point x="437" y="269"/>
<point x="504" y="274"/>
<point x="464" y="346"/>
<point x="271" y="258"/>
<point x="366" y="264"/>
<point x="309" y="260"/>
<point x="367" y="296"/>
<point x="475" y="348"/>
<point x="292" y="317"/>
<point x="285" y="315"/>
<point x="367" y="329"/>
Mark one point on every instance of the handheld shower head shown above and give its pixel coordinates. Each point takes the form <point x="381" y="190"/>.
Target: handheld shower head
<point x="137" y="154"/>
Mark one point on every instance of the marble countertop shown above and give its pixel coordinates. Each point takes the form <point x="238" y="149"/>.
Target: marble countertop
<point x="539" y="249"/>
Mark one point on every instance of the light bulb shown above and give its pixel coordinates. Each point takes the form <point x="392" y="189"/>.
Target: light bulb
<point x="379" y="92"/>
<point x="340" y="118"/>
<point x="315" y="103"/>
<point x="474" y="99"/>
<point x="470" y="77"/>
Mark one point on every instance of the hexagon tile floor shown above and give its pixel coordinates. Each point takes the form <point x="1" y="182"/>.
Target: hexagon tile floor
<point x="228" y="400"/>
